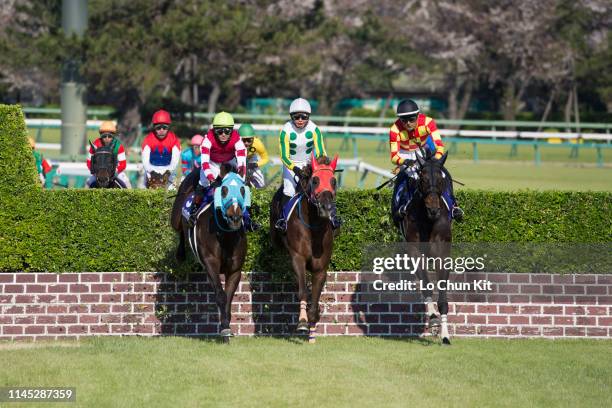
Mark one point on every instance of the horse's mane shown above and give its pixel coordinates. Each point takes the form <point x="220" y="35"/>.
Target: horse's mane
<point x="320" y="160"/>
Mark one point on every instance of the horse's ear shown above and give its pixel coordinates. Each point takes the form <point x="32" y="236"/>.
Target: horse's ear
<point x="313" y="161"/>
<point x="443" y="159"/>
<point x="242" y="191"/>
<point x="334" y="162"/>
<point x="224" y="191"/>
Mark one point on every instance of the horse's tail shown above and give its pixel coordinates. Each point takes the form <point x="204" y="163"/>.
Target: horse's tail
<point x="187" y="186"/>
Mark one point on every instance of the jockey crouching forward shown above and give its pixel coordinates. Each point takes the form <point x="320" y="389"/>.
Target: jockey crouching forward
<point x="257" y="155"/>
<point x="411" y="132"/>
<point x="299" y="137"/>
<point x="161" y="149"/>
<point x="221" y="144"/>
<point x="108" y="136"/>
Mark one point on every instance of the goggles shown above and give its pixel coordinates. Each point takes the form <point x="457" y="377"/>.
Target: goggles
<point x="161" y="127"/>
<point x="300" y="116"/>
<point x="223" y="130"/>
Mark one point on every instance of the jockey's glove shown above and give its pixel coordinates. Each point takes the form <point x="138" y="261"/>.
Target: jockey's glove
<point x="298" y="171"/>
<point x="216" y="183"/>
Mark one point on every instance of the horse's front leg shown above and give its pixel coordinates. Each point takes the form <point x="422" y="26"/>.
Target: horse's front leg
<point x="430" y="309"/>
<point x="231" y="283"/>
<point x="213" y="267"/>
<point x="299" y="268"/>
<point x="443" y="274"/>
<point x="314" y="314"/>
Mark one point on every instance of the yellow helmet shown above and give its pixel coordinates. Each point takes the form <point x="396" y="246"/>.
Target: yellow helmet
<point x="32" y="142"/>
<point x="223" y="119"/>
<point x="108" y="126"/>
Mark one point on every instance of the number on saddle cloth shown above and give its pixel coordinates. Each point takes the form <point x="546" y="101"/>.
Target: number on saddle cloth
<point x="186" y="210"/>
<point x="234" y="184"/>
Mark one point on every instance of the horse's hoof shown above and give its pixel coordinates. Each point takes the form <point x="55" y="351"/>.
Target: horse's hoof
<point x="302" y="327"/>
<point x="226" y="333"/>
<point x="226" y="339"/>
<point x="446" y="341"/>
<point x="312" y="340"/>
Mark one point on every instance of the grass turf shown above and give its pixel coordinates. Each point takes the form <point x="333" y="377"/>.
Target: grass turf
<point x="336" y="372"/>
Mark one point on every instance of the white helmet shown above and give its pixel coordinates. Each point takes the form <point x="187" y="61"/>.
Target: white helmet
<point x="299" y="105"/>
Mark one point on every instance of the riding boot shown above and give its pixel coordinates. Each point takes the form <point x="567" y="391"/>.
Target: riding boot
<point x="249" y="224"/>
<point x="457" y="213"/>
<point x="281" y="223"/>
<point x="198" y="197"/>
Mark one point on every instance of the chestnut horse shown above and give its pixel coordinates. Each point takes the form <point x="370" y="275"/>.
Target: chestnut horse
<point x="309" y="238"/>
<point x="157" y="180"/>
<point x="428" y="223"/>
<point x="217" y="239"/>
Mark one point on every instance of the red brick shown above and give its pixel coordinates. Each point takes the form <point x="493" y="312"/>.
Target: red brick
<point x="121" y="328"/>
<point x="79" y="288"/>
<point x="131" y="318"/>
<point x="12" y="330"/>
<point x="530" y="331"/>
<point x="541" y="299"/>
<point x="122" y="308"/>
<point x="24" y="299"/>
<point x="46" y="277"/>
<point x="5" y="298"/>
<point x="78" y="309"/>
<point x="497" y="320"/>
<point x="486" y="330"/>
<point x="573" y="290"/>
<point x="346" y="277"/>
<point x="14" y="288"/>
<point x="25" y="278"/>
<point x="603" y="300"/>
<point x="57" y="309"/>
<point x="100" y="308"/>
<point x="24" y="320"/>
<point x="601" y="279"/>
<point x="113" y="298"/>
<point x="530" y="309"/>
<point x="476" y="319"/>
<point x="132" y="297"/>
<point x="67" y="298"/>
<point x="515" y="320"/>
<point x="143" y="308"/>
<point x="7" y="277"/>
<point x="110" y="318"/>
<point x="587" y="300"/>
<point x="508" y="330"/>
<point x="519" y="299"/>
<point x="35" y="309"/>
<point x="552" y="331"/>
<point x="152" y="277"/>
<point x="90" y="298"/>
<point x="605" y="321"/>
<point x="57" y="288"/>
<point x="554" y="310"/>
<point x="574" y="331"/>
<point x="465" y="330"/>
<point x="597" y="310"/>
<point x="68" y="278"/>
<point x="143" y="329"/>
<point x="456" y="319"/>
<point x="89" y="277"/>
<point x="586" y="321"/>
<point x="568" y="279"/>
<point x="596" y="290"/>
<point x="89" y="319"/>
<point x="497" y="277"/>
<point x="144" y="287"/>
<point x="111" y="277"/>
<point x="564" y="321"/>
<point x="132" y="277"/>
<point x="586" y="279"/>
<point x="563" y="300"/>
<point x="46" y="319"/>
<point x="99" y="329"/>
<point x="597" y="331"/>
<point x="541" y="278"/>
<point x="56" y="329"/>
<point x="552" y="289"/>
<point x="34" y="330"/>
<point x="81" y="329"/>
<point x="46" y="298"/>
<point x="67" y="319"/>
<point x="531" y="289"/>
<point x="14" y="310"/>
<point x="541" y="319"/>
<point x="518" y="278"/>
<point x="512" y="288"/>
<point x="486" y="309"/>
<point x="100" y="287"/>
<point x="122" y="287"/>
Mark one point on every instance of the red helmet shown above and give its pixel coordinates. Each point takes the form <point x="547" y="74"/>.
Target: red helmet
<point x="161" y="116"/>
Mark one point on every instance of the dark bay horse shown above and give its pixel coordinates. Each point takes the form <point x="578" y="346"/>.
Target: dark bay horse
<point x="103" y="166"/>
<point x="428" y="223"/>
<point x="157" y="180"/>
<point x="309" y="238"/>
<point x="217" y="239"/>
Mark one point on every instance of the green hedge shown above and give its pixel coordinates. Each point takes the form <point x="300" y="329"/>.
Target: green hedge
<point x="95" y="230"/>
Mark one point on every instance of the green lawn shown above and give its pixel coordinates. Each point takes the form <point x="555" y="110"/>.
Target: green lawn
<point x="336" y="372"/>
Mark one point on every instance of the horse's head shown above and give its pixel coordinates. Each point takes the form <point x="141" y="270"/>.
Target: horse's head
<point x="158" y="180"/>
<point x="103" y="165"/>
<point x="431" y="184"/>
<point x="232" y="198"/>
<point x="320" y="184"/>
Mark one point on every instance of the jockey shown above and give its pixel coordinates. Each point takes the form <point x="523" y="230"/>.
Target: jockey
<point x="161" y="149"/>
<point x="43" y="167"/>
<point x="190" y="158"/>
<point x="299" y="138"/>
<point x="108" y="136"/>
<point x="222" y="144"/>
<point x="257" y="155"/>
<point x="411" y="131"/>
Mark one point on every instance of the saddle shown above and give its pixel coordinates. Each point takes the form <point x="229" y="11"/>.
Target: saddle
<point x="208" y="199"/>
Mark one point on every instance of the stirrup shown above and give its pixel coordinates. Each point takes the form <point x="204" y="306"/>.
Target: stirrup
<point x="457" y="214"/>
<point x="252" y="226"/>
<point x="336" y="222"/>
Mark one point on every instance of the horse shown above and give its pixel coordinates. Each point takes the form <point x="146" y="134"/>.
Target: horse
<point x="309" y="238"/>
<point x="427" y="222"/>
<point x="104" y="165"/>
<point x="218" y="239"/>
<point x="157" y="180"/>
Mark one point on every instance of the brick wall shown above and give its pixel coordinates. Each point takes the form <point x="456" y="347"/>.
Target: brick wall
<point x="49" y="306"/>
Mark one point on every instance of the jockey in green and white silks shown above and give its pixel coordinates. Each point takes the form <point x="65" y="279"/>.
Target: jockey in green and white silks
<point x="299" y="138"/>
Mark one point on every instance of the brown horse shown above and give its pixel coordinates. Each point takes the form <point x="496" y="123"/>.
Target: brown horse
<point x="427" y="222"/>
<point x="156" y="180"/>
<point x="309" y="238"/>
<point x="218" y="242"/>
